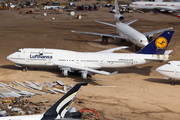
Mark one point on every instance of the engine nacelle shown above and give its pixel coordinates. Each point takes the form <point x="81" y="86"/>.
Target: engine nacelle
<point x="84" y="74"/>
<point x="118" y="18"/>
<point x="65" y="71"/>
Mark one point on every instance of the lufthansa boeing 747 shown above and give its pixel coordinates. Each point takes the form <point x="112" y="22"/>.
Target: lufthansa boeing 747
<point x="89" y="62"/>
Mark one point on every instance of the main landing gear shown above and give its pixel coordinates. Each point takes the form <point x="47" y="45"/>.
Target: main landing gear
<point x="137" y="48"/>
<point x="104" y="40"/>
<point x="24" y="69"/>
<point x="173" y="82"/>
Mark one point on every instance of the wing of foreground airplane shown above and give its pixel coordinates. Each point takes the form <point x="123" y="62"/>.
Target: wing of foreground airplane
<point x="149" y="34"/>
<point x="112" y="50"/>
<point x="84" y="69"/>
<point x="100" y="34"/>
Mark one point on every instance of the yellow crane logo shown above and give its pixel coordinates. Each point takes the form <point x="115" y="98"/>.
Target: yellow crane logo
<point x="161" y="43"/>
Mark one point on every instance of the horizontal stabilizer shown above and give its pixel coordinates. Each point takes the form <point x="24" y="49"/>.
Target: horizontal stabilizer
<point x="167" y="52"/>
<point x="130" y="22"/>
<point x="150" y="34"/>
<point x="105" y="23"/>
<point x="114" y="73"/>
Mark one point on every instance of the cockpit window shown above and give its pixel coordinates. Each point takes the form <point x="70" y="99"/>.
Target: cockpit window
<point x="168" y="63"/>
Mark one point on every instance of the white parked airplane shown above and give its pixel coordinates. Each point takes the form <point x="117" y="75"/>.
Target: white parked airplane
<point x="125" y="32"/>
<point x="171" y="71"/>
<point x="58" y="111"/>
<point x="87" y="62"/>
<point x="161" y="6"/>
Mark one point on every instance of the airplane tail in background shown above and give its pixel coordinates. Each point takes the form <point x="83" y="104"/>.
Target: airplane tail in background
<point x="116" y="7"/>
<point x="158" y="45"/>
<point x="59" y="109"/>
<point x="117" y="16"/>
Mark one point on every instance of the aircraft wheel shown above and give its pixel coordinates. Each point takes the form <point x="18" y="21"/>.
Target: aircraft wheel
<point x="174" y="82"/>
<point x="24" y="69"/>
<point x="84" y="75"/>
<point x="65" y="73"/>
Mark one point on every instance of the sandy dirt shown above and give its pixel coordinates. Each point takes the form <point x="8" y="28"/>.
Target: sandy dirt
<point x="136" y="92"/>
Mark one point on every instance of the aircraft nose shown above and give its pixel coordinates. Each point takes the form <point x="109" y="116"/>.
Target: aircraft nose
<point x="143" y="43"/>
<point x="8" y="57"/>
<point x="160" y="69"/>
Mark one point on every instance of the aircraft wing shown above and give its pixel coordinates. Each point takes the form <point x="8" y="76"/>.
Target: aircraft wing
<point x="112" y="50"/>
<point x="130" y="22"/>
<point x="100" y="34"/>
<point x="82" y="68"/>
<point x="105" y="23"/>
<point x="150" y="34"/>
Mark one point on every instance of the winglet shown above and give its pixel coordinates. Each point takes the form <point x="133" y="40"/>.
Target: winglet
<point x="167" y="52"/>
<point x="59" y="109"/>
<point x="114" y="73"/>
<point x="158" y="45"/>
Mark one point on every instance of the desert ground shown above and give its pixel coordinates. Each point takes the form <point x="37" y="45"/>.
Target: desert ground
<point x="137" y="93"/>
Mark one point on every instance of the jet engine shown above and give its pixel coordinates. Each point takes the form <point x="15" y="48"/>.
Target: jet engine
<point x="65" y="71"/>
<point x="118" y="18"/>
<point x="84" y="74"/>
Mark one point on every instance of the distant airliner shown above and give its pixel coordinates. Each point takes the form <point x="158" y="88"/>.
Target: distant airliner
<point x="58" y="111"/>
<point x="88" y="62"/>
<point x="126" y="32"/>
<point x="171" y="70"/>
<point x="161" y="6"/>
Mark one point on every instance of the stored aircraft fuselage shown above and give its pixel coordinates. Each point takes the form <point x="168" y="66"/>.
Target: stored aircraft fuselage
<point x="52" y="57"/>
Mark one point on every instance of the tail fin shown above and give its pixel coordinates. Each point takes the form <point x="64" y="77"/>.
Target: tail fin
<point x="116" y="7"/>
<point x="59" y="109"/>
<point x="158" y="45"/>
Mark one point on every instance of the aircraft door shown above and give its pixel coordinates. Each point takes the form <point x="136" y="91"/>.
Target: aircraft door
<point x="77" y="61"/>
<point x="49" y="61"/>
<point x="176" y="72"/>
<point x="101" y="60"/>
<point x="27" y="59"/>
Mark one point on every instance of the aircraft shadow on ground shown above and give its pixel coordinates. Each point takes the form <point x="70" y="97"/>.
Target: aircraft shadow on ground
<point x="12" y="67"/>
<point x="75" y="76"/>
<point x="161" y="81"/>
<point x="141" y="71"/>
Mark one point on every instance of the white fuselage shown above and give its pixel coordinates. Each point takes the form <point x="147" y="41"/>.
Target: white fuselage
<point x="25" y="117"/>
<point x="153" y="5"/>
<point x="170" y="70"/>
<point x="53" y="57"/>
<point x="132" y="35"/>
